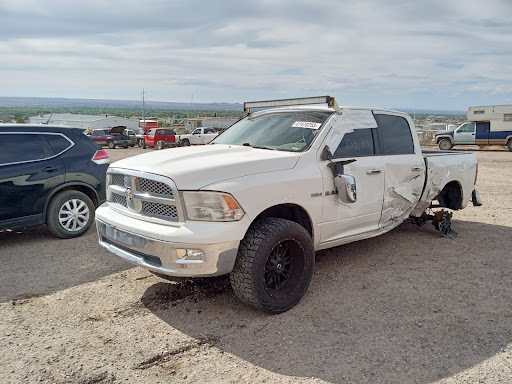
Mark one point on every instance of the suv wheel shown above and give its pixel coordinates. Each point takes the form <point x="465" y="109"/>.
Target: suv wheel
<point x="111" y="144"/>
<point x="274" y="265"/>
<point x="70" y="214"/>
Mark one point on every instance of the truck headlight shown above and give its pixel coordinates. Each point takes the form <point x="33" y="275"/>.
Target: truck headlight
<point x="211" y="206"/>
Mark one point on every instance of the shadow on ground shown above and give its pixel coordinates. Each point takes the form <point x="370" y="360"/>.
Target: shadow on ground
<point x="408" y="306"/>
<point x="36" y="263"/>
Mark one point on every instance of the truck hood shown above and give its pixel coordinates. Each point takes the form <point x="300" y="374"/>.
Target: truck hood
<point x="194" y="168"/>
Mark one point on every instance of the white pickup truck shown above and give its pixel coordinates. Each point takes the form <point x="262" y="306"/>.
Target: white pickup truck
<point x="200" y="135"/>
<point x="275" y="187"/>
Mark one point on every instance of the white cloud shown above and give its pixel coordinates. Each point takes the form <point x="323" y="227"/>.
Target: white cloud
<point x="390" y="53"/>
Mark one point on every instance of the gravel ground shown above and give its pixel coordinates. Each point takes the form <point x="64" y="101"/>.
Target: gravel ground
<point x="405" y="307"/>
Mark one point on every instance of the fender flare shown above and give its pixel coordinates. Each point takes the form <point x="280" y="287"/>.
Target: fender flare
<point x="441" y="137"/>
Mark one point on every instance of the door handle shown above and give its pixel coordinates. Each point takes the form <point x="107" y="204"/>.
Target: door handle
<point x="373" y="171"/>
<point x="417" y="168"/>
<point x="49" y="168"/>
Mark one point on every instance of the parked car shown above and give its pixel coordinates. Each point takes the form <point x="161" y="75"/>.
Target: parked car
<point x="275" y="187"/>
<point x="111" y="137"/>
<point x="199" y="136"/>
<point x="50" y="175"/>
<point x="159" y="138"/>
<point x="130" y="133"/>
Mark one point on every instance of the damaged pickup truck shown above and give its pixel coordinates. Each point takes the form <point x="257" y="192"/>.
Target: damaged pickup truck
<point x="278" y="185"/>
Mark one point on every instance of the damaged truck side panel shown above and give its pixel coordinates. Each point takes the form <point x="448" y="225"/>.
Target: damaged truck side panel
<point x="274" y="188"/>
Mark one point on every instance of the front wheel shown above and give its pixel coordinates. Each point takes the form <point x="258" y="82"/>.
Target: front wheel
<point x="445" y="144"/>
<point x="509" y="145"/>
<point x="274" y="265"/>
<point x="70" y="214"/>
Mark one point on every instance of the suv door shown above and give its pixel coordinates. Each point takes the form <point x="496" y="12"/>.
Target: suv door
<point x="403" y="167"/>
<point x="29" y="171"/>
<point x="342" y="220"/>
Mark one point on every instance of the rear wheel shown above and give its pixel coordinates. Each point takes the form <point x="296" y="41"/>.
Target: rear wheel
<point x="185" y="142"/>
<point x="70" y="214"/>
<point x="111" y="144"/>
<point x="143" y="144"/>
<point x="274" y="265"/>
<point x="160" y="144"/>
<point x="509" y="145"/>
<point x="445" y="144"/>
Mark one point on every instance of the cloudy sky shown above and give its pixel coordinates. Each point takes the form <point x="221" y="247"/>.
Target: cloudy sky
<point x="435" y="54"/>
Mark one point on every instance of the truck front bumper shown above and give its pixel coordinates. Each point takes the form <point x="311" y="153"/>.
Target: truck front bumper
<point x="166" y="257"/>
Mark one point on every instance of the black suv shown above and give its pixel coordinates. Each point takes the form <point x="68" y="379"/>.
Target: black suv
<point x="50" y="175"/>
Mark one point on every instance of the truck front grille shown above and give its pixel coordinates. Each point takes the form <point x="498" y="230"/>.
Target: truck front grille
<point x="143" y="195"/>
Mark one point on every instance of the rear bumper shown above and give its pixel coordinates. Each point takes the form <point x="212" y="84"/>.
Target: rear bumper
<point x="475" y="198"/>
<point x="166" y="257"/>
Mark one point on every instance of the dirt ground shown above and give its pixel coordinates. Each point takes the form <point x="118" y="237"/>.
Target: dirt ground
<point x="406" y="307"/>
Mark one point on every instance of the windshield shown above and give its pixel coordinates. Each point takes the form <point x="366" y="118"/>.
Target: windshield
<point x="283" y="131"/>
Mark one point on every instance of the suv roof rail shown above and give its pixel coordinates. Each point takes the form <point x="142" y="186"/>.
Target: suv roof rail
<point x="330" y="101"/>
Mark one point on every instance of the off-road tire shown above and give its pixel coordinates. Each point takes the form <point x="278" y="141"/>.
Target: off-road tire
<point x="258" y="265"/>
<point x="63" y="205"/>
<point x="445" y="144"/>
<point x="111" y="144"/>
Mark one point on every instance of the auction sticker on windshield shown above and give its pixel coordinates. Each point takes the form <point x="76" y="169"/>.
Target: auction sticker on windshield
<point x="306" y="124"/>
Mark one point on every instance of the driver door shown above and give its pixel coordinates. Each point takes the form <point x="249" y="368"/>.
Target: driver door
<point x="465" y="134"/>
<point x="344" y="220"/>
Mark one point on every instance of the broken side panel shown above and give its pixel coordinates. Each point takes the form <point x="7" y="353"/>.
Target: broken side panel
<point x="404" y="180"/>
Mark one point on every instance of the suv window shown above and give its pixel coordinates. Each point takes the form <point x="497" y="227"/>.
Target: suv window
<point x="58" y="143"/>
<point x="394" y="135"/>
<point x="356" y="144"/>
<point x="21" y="147"/>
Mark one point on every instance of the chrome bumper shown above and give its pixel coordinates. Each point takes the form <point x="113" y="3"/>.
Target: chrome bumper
<point x="167" y="257"/>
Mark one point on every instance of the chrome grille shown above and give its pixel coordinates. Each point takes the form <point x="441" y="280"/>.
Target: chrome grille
<point x="156" y="187"/>
<point x="143" y="195"/>
<point x="159" y="209"/>
<point x="117" y="179"/>
<point x="119" y="199"/>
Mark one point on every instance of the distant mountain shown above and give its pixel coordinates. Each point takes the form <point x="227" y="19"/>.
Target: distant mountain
<point x="62" y="102"/>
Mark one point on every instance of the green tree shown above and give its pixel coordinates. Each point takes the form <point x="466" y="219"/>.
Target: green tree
<point x="20" y="120"/>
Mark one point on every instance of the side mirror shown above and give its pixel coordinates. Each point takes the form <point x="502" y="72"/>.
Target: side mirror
<point x="346" y="186"/>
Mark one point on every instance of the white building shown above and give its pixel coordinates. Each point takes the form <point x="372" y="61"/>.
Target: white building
<point x="219" y="123"/>
<point x="87" y="122"/>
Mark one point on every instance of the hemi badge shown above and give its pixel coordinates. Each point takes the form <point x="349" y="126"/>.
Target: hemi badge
<point x="316" y="194"/>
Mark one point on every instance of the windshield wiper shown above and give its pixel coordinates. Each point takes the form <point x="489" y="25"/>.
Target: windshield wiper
<point x="258" y="146"/>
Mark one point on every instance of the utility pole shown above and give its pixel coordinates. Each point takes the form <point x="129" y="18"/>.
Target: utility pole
<point x="143" y="111"/>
